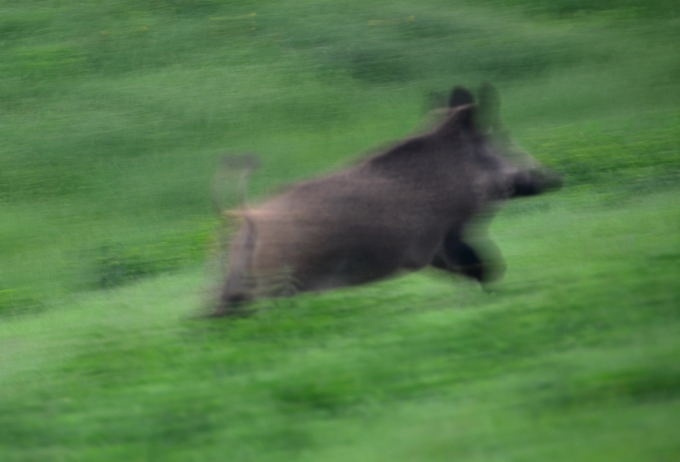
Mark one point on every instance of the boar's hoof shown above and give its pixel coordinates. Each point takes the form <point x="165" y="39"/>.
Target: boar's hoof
<point x="232" y="306"/>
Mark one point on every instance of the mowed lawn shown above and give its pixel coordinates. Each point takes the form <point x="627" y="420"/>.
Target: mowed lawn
<point x="113" y="116"/>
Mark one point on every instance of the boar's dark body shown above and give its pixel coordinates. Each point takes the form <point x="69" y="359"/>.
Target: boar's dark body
<point x="403" y="209"/>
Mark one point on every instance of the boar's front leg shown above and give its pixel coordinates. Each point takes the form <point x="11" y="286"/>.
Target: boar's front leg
<point x="482" y="262"/>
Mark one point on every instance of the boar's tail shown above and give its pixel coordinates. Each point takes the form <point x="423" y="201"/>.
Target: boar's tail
<point x="231" y="167"/>
<point x="229" y="190"/>
<point x="249" y="239"/>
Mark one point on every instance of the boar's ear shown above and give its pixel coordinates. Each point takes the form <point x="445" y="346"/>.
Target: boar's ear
<point x="460" y="97"/>
<point x="464" y="118"/>
<point x="489" y="108"/>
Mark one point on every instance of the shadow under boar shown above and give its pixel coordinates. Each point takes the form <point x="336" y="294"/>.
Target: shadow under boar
<point x="403" y="209"/>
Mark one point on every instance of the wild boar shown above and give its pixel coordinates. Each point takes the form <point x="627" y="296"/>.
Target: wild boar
<point x="402" y="209"/>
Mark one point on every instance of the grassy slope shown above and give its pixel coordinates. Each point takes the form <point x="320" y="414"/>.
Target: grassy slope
<point x="113" y="114"/>
<point x="574" y="357"/>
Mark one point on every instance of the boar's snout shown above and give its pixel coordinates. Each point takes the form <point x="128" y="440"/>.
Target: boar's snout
<point x="535" y="181"/>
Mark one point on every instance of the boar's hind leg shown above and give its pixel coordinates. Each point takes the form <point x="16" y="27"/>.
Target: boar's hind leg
<point x="457" y="256"/>
<point x="239" y="286"/>
<point x="235" y="293"/>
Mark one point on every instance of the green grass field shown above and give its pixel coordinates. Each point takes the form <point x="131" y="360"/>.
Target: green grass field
<point x="113" y="115"/>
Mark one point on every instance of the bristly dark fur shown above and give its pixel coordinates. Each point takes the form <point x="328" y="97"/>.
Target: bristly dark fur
<point x="406" y="208"/>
